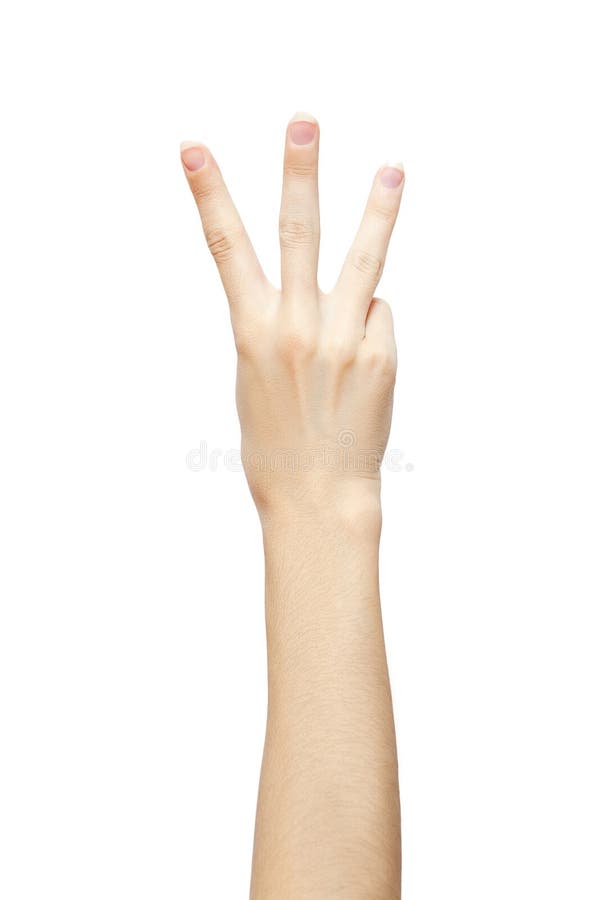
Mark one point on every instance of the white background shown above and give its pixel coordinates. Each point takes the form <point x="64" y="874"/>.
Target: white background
<point x="132" y="649"/>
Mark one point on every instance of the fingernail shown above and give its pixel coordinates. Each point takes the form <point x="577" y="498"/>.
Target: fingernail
<point x="392" y="176"/>
<point x="302" y="132"/>
<point x="193" y="157"/>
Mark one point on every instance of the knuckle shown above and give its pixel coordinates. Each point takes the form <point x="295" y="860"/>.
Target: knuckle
<point x="382" y="308"/>
<point x="201" y="189"/>
<point x="221" y="242"/>
<point x="243" y="342"/>
<point x="296" y="343"/>
<point x="382" y="362"/>
<point x="296" y="232"/>
<point x="383" y="213"/>
<point x="367" y="263"/>
<point x="299" y="169"/>
<point x="339" y="351"/>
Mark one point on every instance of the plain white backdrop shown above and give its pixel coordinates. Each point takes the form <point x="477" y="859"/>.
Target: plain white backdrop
<point x="132" y="656"/>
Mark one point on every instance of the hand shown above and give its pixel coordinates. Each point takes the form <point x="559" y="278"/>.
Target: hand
<point x="316" y="371"/>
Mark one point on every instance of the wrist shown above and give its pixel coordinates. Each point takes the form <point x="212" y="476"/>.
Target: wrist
<point x="349" y="505"/>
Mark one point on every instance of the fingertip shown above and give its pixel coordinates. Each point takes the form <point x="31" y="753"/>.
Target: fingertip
<point x="302" y="128"/>
<point x="303" y="116"/>
<point x="193" y="155"/>
<point x="392" y="175"/>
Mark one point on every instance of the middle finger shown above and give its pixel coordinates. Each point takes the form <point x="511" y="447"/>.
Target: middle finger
<point x="299" y="228"/>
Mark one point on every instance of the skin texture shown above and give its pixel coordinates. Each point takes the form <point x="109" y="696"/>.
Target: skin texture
<point x="315" y="383"/>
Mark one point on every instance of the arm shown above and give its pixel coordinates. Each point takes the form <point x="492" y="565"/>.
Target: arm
<point x="314" y="393"/>
<point x="328" y="819"/>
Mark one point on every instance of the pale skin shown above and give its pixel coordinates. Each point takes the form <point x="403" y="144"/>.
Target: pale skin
<point x="315" y="383"/>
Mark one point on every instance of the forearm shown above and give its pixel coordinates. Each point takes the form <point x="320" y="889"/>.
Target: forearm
<point x="328" y="819"/>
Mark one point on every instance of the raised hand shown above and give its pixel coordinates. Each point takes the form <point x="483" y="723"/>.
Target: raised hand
<point x="316" y="371"/>
<point x="315" y="382"/>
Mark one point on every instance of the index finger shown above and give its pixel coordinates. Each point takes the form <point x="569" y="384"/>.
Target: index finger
<point x="227" y="239"/>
